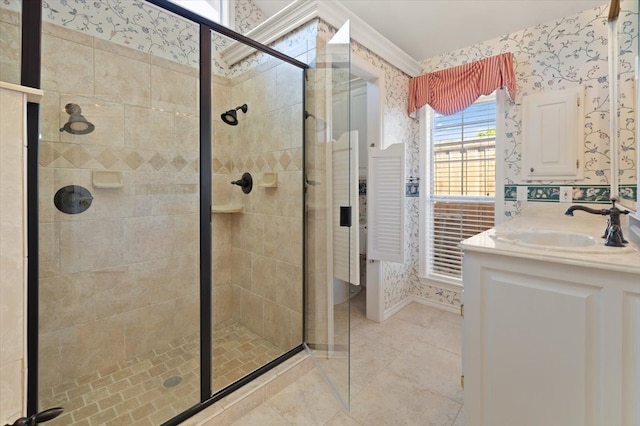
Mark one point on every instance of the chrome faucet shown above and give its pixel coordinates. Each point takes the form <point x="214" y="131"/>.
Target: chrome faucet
<point x="613" y="232"/>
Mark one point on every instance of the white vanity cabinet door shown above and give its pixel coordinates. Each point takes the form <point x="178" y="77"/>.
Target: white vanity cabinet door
<point x="549" y="344"/>
<point x="631" y="356"/>
<point x="553" y="135"/>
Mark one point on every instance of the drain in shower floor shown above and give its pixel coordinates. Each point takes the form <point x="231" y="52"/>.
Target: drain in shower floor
<point x="172" y="381"/>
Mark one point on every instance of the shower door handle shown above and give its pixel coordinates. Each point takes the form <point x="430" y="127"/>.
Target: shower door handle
<point x="345" y="216"/>
<point x="41" y="417"/>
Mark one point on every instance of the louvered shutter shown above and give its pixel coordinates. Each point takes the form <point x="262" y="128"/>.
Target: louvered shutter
<point x="385" y="198"/>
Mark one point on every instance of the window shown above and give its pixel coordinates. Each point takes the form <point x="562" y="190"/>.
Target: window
<point x="460" y="197"/>
<point x="215" y="10"/>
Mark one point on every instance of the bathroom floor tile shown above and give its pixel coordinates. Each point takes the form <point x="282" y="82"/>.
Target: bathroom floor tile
<point x="261" y="416"/>
<point x="158" y="385"/>
<point x="308" y="401"/>
<point x="392" y="332"/>
<point x="432" y="368"/>
<point x="391" y="399"/>
<point x="368" y="358"/>
<point x="460" y="419"/>
<point x="404" y="371"/>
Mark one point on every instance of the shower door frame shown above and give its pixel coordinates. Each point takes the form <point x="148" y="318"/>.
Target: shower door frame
<point x="31" y="29"/>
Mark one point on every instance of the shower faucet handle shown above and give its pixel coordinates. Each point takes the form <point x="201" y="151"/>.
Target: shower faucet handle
<point x="246" y="182"/>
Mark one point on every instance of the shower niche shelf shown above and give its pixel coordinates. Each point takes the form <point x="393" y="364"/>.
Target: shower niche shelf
<point x="269" y="180"/>
<point x="227" y="208"/>
<point x="107" y="179"/>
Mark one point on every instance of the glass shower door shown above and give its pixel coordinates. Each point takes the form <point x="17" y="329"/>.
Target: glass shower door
<point x="330" y="210"/>
<point x="118" y="214"/>
<point x="257" y="229"/>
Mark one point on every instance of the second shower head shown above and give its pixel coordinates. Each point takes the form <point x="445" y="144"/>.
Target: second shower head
<point x="231" y="117"/>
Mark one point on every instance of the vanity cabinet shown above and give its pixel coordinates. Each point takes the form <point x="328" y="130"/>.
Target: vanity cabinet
<point x="549" y="340"/>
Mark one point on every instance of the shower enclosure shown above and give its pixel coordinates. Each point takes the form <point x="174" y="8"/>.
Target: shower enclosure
<point x="160" y="280"/>
<point x="150" y="260"/>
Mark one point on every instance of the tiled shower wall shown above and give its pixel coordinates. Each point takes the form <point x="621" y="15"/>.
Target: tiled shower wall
<point x="122" y="277"/>
<point x="263" y="252"/>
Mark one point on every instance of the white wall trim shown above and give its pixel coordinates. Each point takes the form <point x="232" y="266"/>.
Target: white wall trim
<point x="334" y="13"/>
<point x="33" y="95"/>
<point x="501" y="143"/>
<point x="435" y="304"/>
<point x="425" y="125"/>
<point x="396" y="308"/>
<point x="423" y="301"/>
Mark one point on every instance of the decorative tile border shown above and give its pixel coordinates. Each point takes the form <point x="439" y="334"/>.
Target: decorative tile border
<point x="580" y="193"/>
<point x="511" y="193"/>
<point x="592" y="194"/>
<point x="546" y="193"/>
<point x="629" y="192"/>
<point x="542" y="193"/>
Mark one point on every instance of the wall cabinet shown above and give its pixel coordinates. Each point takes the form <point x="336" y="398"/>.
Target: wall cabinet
<point x="553" y="135"/>
<point x="549" y="343"/>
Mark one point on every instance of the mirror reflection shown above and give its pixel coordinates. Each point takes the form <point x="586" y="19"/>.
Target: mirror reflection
<point x="626" y="103"/>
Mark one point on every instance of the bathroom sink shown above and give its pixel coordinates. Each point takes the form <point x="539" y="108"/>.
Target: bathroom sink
<point x="550" y="238"/>
<point x="560" y="241"/>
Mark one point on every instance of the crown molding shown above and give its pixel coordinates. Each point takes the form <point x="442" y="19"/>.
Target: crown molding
<point x="335" y="14"/>
<point x="282" y="23"/>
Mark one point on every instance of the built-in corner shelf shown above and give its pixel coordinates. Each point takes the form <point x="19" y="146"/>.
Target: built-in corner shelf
<point x="227" y="208"/>
<point x="269" y="180"/>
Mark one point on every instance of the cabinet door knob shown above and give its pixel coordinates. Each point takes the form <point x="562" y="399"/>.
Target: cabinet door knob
<point x="531" y="170"/>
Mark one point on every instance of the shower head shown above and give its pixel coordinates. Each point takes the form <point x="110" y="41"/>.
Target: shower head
<point x="77" y="124"/>
<point x="231" y="117"/>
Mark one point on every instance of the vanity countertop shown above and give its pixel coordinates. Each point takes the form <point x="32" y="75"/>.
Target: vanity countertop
<point x="599" y="256"/>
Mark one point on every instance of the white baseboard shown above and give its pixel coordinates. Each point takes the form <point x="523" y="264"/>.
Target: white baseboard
<point x="389" y="312"/>
<point x="422" y="300"/>
<point x="435" y="304"/>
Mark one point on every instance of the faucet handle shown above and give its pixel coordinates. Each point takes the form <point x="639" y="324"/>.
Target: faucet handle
<point x="613" y="202"/>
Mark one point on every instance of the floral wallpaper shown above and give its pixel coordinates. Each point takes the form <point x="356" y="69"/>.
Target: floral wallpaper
<point x="248" y="16"/>
<point x="628" y="48"/>
<point x="142" y="26"/>
<point x="135" y="24"/>
<point x="567" y="52"/>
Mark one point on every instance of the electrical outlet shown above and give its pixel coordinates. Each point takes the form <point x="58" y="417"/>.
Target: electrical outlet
<point x="522" y="193"/>
<point x="566" y="194"/>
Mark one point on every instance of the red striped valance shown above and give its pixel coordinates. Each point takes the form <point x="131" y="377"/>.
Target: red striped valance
<point x="453" y="89"/>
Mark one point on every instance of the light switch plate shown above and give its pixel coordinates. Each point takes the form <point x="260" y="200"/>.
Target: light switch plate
<point x="566" y="194"/>
<point x="522" y="193"/>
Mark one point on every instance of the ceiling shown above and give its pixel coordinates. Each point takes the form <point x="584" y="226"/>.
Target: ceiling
<point x="426" y="28"/>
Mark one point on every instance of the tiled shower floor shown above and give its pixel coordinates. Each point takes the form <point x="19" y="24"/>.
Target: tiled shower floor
<point x="139" y="392"/>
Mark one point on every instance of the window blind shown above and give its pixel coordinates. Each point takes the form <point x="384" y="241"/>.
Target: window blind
<point x="462" y="184"/>
<point x="452" y="222"/>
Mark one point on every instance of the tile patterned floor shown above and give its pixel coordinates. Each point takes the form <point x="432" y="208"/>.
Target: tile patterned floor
<point x="132" y="392"/>
<point x="404" y="371"/>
